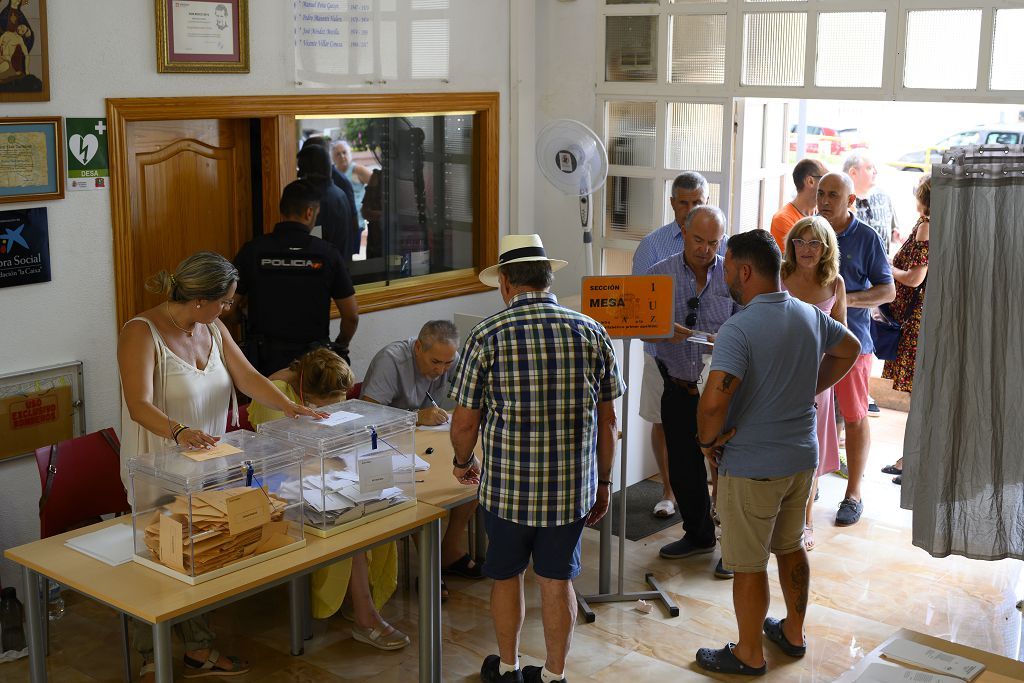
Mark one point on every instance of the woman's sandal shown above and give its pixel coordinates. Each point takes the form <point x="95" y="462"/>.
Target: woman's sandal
<point x="808" y="537"/>
<point x="386" y="637"/>
<point x="147" y="668"/>
<point x="196" y="669"/>
<point x="892" y="469"/>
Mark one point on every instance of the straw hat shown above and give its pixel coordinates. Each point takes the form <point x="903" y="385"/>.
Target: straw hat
<point x="517" y="249"/>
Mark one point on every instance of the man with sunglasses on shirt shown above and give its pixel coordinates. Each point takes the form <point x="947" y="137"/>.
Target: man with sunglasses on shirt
<point x="702" y="304"/>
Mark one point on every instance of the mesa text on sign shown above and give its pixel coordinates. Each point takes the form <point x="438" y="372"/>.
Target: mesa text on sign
<point x="630" y="305"/>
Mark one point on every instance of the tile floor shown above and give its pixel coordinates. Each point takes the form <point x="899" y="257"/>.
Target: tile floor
<point x="867" y="581"/>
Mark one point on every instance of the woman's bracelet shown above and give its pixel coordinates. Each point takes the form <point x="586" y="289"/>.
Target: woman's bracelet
<point x="177" y="430"/>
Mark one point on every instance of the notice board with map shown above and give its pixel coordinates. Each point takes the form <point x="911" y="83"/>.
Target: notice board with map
<point x="40" y="407"/>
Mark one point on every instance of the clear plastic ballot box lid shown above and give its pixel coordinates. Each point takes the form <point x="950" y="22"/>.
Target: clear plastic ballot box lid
<point x="180" y="473"/>
<point x="326" y="437"/>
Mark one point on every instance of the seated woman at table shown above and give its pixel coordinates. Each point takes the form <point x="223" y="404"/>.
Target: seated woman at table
<point x="179" y="366"/>
<point x="369" y="579"/>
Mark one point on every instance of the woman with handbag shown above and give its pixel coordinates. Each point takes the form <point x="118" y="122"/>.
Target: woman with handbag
<point x="810" y="272"/>
<point x="909" y="269"/>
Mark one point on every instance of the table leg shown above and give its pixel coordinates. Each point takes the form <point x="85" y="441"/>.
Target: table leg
<point x="126" y="651"/>
<point x="162" y="652"/>
<point x="430" y="602"/>
<point x="34" y="618"/>
<point x="296" y="603"/>
<point x="307" y="607"/>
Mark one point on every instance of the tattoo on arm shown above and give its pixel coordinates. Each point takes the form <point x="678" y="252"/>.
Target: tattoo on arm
<point x="727" y="381"/>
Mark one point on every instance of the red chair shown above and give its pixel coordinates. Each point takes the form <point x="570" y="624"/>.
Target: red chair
<point x="81" y="480"/>
<point x="355" y="391"/>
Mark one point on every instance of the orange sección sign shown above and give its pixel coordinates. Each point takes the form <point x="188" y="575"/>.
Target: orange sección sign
<point x="630" y="305"/>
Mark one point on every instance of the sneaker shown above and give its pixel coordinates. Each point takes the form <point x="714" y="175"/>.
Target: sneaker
<point x="721" y="572"/>
<point x="677" y="550"/>
<point x="531" y="674"/>
<point x="489" y="672"/>
<point x="844" y="470"/>
<point x="849" y="512"/>
<point x="874" y="410"/>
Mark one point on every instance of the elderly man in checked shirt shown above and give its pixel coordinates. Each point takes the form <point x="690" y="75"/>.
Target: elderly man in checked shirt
<point x="542" y="378"/>
<point x="702" y="304"/>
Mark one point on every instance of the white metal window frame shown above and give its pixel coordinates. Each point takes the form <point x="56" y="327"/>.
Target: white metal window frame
<point x="660" y="173"/>
<point x="663" y="90"/>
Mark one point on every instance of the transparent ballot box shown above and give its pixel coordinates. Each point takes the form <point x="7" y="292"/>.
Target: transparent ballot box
<point x="360" y="463"/>
<point x="198" y="515"/>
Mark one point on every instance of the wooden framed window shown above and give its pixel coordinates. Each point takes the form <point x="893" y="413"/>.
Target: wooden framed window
<point x="440" y="185"/>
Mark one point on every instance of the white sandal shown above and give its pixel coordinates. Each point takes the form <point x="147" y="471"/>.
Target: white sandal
<point x="664" y="508"/>
<point x="386" y="637"/>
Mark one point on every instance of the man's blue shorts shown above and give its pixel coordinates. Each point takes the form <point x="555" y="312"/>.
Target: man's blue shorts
<point x="555" y="549"/>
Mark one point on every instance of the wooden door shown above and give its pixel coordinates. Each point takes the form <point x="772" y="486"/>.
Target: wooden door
<point x="190" y="190"/>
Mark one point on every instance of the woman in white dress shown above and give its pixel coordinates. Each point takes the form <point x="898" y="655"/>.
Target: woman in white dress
<point x="179" y="368"/>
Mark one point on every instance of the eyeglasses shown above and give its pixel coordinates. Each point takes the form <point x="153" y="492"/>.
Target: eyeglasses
<point x="813" y="244"/>
<point x="693" y="304"/>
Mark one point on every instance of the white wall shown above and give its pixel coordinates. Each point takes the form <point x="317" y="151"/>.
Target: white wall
<point x="106" y="49"/>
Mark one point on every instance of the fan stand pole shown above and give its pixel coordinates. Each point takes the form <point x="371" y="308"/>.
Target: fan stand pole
<point x="587" y="221"/>
<point x="604" y="577"/>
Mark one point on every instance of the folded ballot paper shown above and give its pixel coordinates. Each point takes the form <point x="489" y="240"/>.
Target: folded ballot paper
<point x="218" y="536"/>
<point x="931" y="659"/>
<point x="336" y="497"/>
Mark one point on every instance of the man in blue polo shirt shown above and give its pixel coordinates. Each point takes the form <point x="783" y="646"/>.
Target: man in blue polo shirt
<point x="756" y="425"/>
<point x="868" y="278"/>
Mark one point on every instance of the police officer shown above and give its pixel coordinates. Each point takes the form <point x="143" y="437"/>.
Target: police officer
<point x="288" y="278"/>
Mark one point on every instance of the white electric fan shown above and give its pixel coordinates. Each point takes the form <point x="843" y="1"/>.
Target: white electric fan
<point x="573" y="159"/>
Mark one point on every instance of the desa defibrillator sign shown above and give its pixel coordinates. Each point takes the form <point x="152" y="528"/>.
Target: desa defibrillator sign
<point x="630" y="305"/>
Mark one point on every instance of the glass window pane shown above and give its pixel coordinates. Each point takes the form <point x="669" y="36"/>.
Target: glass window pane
<point x="714" y="199"/>
<point x="697" y="2"/>
<point x="1007" y="55"/>
<point x="698" y="48"/>
<point x="629" y="203"/>
<point x="839" y="66"/>
<point x="694" y="136"/>
<point x="774" y="44"/>
<point x="632" y="2"/>
<point x="942" y="49"/>
<point x="416" y="213"/>
<point x="631" y="48"/>
<point x="631" y="133"/>
<point x="750" y="206"/>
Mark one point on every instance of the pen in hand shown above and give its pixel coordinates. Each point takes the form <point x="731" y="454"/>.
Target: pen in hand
<point x="434" y="403"/>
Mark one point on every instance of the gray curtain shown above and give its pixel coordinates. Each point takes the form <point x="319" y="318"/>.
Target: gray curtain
<point x="963" y="470"/>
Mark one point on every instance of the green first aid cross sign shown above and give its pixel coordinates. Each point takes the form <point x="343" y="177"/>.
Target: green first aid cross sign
<point x="86" y="141"/>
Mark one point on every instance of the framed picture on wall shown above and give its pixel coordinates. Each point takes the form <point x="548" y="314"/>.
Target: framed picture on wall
<point x="24" y="53"/>
<point x="31" y="159"/>
<point x="202" y="36"/>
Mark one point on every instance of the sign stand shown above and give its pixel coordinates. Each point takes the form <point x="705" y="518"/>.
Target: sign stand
<point x="628" y="306"/>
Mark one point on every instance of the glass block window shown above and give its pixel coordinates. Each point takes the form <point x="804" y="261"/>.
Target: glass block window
<point x="632" y="2"/>
<point x="631" y="48"/>
<point x="714" y="199"/>
<point x="774" y="44"/>
<point x="942" y="49"/>
<point x="698" y="48"/>
<point x="629" y="205"/>
<point x="750" y="206"/>
<point x="1007" y="55"/>
<point x="697" y="2"/>
<point x="631" y="128"/>
<point x="694" y="136"/>
<point x="839" y="66"/>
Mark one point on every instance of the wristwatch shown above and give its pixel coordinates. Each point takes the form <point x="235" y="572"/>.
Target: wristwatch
<point x="463" y="465"/>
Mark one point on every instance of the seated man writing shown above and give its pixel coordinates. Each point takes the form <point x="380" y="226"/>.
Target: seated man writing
<point x="408" y="374"/>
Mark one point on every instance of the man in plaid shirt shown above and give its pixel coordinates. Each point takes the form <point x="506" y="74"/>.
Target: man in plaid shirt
<point x="541" y="378"/>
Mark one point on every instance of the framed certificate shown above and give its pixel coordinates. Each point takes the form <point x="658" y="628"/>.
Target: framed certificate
<point x="31" y="159"/>
<point x="202" y="36"/>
